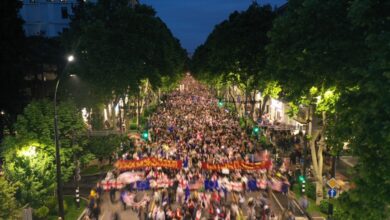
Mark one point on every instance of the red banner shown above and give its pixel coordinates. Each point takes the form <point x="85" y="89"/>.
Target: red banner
<point x="241" y="165"/>
<point x="124" y="165"/>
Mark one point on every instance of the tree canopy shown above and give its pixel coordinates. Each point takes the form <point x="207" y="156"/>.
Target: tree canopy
<point x="233" y="56"/>
<point x="237" y="45"/>
<point x="342" y="48"/>
<point x="30" y="154"/>
<point x="8" y="204"/>
<point x="117" y="46"/>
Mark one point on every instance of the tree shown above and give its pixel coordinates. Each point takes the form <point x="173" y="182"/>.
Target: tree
<point x="340" y="46"/>
<point x="104" y="147"/>
<point x="310" y="54"/>
<point x="363" y="115"/>
<point x="234" y="55"/>
<point x="30" y="154"/>
<point x="119" y="46"/>
<point x="8" y="204"/>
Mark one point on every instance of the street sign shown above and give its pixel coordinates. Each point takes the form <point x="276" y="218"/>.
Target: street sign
<point x="332" y="183"/>
<point x="332" y="193"/>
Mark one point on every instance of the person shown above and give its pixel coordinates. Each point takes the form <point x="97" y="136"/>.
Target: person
<point x="122" y="198"/>
<point x="285" y="187"/>
<point x="178" y="214"/>
<point x="241" y="200"/>
<point x="273" y="216"/>
<point x="96" y="211"/>
<point x="99" y="190"/>
<point x="91" y="203"/>
<point x="160" y="214"/>
<point x="115" y="216"/>
<point x="290" y="216"/>
<point x="290" y="202"/>
<point x="112" y="194"/>
<point x="198" y="214"/>
<point x="304" y="202"/>
<point x="251" y="213"/>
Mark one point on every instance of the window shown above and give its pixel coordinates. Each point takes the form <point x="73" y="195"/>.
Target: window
<point x="64" y="12"/>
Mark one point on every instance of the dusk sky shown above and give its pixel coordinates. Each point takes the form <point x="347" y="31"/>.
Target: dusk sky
<point x="191" y="21"/>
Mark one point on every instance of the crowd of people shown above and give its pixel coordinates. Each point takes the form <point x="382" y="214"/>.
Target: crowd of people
<point x="191" y="126"/>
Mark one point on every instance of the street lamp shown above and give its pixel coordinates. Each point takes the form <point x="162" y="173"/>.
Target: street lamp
<point x="60" y="196"/>
<point x="70" y="58"/>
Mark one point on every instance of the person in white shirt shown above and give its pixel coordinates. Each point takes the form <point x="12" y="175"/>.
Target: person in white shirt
<point x="160" y="215"/>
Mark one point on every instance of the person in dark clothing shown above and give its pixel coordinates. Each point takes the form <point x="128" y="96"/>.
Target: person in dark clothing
<point x="122" y="198"/>
<point x="112" y="194"/>
<point x="95" y="212"/>
<point x="99" y="190"/>
<point x="285" y="187"/>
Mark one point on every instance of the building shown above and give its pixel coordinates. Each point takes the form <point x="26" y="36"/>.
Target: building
<point x="47" y="18"/>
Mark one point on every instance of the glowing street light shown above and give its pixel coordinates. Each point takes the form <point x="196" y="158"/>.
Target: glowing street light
<point x="70" y="58"/>
<point x="29" y="152"/>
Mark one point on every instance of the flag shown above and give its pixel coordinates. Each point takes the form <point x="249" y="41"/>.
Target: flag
<point x="143" y="185"/>
<point x="187" y="193"/>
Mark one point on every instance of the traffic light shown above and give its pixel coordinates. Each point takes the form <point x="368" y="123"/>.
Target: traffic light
<point x="302" y="180"/>
<point x="220" y="103"/>
<point x="256" y="130"/>
<point x="145" y="135"/>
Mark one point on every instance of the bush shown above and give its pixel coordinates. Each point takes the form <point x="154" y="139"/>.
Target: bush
<point x="51" y="203"/>
<point x="66" y="207"/>
<point x="42" y="212"/>
<point x="133" y="126"/>
<point x="324" y="206"/>
<point x="311" y="190"/>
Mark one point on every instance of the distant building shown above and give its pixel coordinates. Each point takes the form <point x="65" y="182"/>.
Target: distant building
<point x="49" y="18"/>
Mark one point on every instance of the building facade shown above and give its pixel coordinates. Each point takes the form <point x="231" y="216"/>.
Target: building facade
<point x="47" y="18"/>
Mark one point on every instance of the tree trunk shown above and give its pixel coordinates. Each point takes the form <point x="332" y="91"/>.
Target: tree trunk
<point x="263" y="104"/>
<point x="253" y="103"/>
<point x="158" y="96"/>
<point x="233" y="100"/>
<point x="246" y="103"/>
<point x="137" y="111"/>
<point x="317" y="155"/>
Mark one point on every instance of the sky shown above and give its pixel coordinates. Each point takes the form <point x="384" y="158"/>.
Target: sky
<point x="191" y="21"/>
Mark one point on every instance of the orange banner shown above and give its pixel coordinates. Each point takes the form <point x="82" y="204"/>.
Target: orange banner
<point x="124" y="165"/>
<point x="242" y="165"/>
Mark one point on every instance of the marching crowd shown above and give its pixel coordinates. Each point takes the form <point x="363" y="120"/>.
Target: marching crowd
<point x="192" y="127"/>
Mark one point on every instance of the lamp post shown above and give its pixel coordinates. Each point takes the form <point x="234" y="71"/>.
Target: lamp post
<point x="60" y="195"/>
